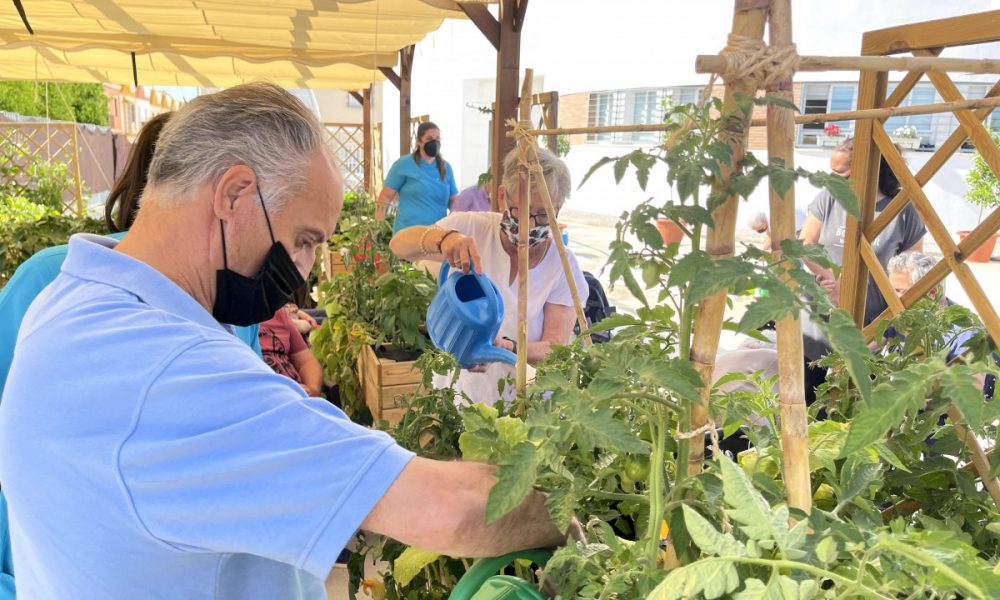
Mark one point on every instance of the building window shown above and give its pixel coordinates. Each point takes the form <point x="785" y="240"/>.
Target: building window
<point x="922" y="93"/>
<point x="823" y="98"/>
<point x="606" y="108"/>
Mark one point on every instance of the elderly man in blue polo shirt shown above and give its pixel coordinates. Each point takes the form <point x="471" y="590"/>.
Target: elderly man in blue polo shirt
<point x="147" y="453"/>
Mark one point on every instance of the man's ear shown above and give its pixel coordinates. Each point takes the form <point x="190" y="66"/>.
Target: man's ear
<point x="238" y="183"/>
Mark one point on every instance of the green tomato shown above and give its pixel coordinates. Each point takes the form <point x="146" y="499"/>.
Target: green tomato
<point x="824" y="497"/>
<point x="646" y="432"/>
<point x="637" y="467"/>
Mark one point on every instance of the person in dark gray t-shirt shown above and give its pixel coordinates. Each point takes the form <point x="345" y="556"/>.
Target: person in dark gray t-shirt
<point x="826" y="224"/>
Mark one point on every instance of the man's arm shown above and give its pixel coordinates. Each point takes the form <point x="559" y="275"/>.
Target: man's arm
<point x="440" y="506"/>
<point x="309" y="370"/>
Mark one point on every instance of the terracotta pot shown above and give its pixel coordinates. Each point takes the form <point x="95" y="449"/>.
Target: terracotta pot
<point x="670" y="231"/>
<point x="983" y="253"/>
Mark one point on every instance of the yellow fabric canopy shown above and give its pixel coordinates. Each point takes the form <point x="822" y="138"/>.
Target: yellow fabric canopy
<point x="214" y="43"/>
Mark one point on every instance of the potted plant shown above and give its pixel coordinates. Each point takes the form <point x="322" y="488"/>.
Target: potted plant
<point x="906" y="137"/>
<point x="374" y="326"/>
<point x="984" y="191"/>
<point x="831" y="135"/>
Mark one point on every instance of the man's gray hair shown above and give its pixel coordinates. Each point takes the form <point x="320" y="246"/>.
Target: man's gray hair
<point x="554" y="171"/>
<point x="915" y="265"/>
<point x="259" y="125"/>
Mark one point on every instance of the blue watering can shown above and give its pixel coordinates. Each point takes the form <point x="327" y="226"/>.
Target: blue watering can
<point x="465" y="316"/>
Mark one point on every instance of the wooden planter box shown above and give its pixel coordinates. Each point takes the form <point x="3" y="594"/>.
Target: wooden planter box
<point x="333" y="263"/>
<point x="387" y="384"/>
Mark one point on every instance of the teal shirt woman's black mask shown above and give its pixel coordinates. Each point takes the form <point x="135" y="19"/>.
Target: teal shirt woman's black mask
<point x="244" y="301"/>
<point x="431" y="147"/>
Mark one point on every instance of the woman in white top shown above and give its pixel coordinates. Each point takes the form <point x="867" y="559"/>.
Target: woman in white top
<point x="489" y="241"/>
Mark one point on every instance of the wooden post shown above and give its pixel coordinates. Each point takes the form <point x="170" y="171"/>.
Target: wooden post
<point x="405" y="72"/>
<point x="77" y="180"/>
<point x="551" y="110"/>
<point x="864" y="171"/>
<point x="523" y="266"/>
<point x="748" y="20"/>
<point x="508" y="71"/>
<point x="366" y="139"/>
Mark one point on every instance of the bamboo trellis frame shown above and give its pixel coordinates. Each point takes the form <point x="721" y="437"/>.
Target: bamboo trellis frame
<point x="26" y="141"/>
<point x="871" y="140"/>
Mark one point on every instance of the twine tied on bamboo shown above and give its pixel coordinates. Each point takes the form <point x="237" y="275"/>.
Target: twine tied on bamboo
<point x="752" y="60"/>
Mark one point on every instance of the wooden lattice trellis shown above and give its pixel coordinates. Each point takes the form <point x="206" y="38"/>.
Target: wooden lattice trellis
<point x="414" y="124"/>
<point x="22" y="143"/>
<point x="872" y="141"/>
<point x="346" y="143"/>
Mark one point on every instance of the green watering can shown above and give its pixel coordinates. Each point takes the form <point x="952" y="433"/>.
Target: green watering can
<point x="481" y="582"/>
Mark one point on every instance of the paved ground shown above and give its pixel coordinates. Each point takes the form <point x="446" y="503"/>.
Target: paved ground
<point x="589" y="238"/>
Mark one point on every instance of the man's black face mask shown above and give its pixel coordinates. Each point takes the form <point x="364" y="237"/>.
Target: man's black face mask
<point x="243" y="301"/>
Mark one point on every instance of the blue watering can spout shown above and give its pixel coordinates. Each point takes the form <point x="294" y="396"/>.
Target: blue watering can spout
<point x="488" y="354"/>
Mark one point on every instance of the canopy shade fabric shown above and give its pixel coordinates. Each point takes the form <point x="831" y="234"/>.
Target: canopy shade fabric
<point x="214" y="43"/>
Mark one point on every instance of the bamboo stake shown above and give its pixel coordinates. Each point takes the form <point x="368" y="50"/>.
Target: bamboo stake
<point x="715" y="63"/>
<point x="543" y="188"/>
<point x="980" y="461"/>
<point x="720" y="243"/>
<point x="791" y="379"/>
<point x="524" y="209"/>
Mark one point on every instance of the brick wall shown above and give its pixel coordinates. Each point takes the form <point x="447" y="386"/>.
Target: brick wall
<point x="573" y="113"/>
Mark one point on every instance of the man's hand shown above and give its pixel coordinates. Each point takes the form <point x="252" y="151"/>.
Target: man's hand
<point x="460" y="251"/>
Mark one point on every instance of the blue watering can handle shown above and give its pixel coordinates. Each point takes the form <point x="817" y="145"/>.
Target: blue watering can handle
<point x="485" y="568"/>
<point x="443" y="275"/>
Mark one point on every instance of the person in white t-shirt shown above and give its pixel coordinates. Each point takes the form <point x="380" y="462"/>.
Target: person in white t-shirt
<point x="489" y="241"/>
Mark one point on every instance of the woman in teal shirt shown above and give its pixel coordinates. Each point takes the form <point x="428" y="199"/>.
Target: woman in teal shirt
<point x="422" y="183"/>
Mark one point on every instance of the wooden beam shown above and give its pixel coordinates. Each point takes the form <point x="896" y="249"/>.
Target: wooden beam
<point x="391" y="75"/>
<point x="715" y="63"/>
<point x="507" y="97"/>
<point x="357" y="96"/>
<point x="405" y="71"/>
<point x="976" y="28"/>
<point x="551" y="113"/>
<point x="521" y="10"/>
<point x="485" y="21"/>
<point x="864" y="170"/>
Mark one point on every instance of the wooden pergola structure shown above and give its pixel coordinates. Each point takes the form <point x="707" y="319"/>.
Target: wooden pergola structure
<point x="749" y="65"/>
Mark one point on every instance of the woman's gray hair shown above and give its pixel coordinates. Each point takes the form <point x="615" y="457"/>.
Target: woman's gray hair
<point x="554" y="171"/>
<point x="259" y="125"/>
<point x="915" y="265"/>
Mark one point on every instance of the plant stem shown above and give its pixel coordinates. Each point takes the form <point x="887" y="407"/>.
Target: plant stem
<point x="859" y="590"/>
<point x="657" y="473"/>
<point x="651" y="398"/>
<point x="622" y="497"/>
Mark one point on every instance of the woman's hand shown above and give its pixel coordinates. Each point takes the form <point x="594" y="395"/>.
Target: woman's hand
<point x="460" y="251"/>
